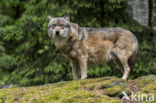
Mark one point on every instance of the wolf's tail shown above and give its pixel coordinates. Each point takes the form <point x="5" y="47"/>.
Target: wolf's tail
<point x="132" y="60"/>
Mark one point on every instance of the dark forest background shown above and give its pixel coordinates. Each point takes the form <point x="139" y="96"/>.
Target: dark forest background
<point x="28" y="56"/>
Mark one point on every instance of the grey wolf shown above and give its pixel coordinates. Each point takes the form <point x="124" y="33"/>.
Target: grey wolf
<point x="85" y="45"/>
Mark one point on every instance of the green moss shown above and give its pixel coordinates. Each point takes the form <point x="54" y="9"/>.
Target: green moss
<point x="115" y="90"/>
<point x="81" y="91"/>
<point x="147" y="86"/>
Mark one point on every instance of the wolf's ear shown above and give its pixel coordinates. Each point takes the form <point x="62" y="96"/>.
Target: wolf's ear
<point x="49" y="18"/>
<point x="67" y="17"/>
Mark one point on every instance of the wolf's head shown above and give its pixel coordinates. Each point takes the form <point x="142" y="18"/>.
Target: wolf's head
<point x="58" y="27"/>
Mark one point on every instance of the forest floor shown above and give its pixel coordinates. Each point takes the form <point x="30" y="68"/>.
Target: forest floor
<point x="97" y="90"/>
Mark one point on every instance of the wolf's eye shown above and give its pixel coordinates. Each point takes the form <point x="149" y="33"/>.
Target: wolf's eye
<point x="67" y="26"/>
<point x="62" y="26"/>
<point x="54" y="25"/>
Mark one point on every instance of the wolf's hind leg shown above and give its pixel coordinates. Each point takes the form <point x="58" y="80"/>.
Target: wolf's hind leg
<point x="125" y="66"/>
<point x="117" y="62"/>
<point x="75" y="71"/>
<point x="126" y="70"/>
<point x="123" y="62"/>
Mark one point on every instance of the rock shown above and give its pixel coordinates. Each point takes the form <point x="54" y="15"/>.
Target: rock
<point x="143" y="11"/>
<point x="140" y="11"/>
<point x="5" y="86"/>
<point x="153" y="18"/>
<point x="115" y="83"/>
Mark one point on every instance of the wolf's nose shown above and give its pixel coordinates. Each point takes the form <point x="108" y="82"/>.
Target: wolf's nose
<point x="57" y="32"/>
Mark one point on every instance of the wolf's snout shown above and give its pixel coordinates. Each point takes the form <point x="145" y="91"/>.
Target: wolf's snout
<point x="57" y="32"/>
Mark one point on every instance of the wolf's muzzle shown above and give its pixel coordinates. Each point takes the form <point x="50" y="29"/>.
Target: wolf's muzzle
<point x="57" y="32"/>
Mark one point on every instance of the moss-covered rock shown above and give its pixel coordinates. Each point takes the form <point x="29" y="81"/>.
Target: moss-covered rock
<point x="98" y="90"/>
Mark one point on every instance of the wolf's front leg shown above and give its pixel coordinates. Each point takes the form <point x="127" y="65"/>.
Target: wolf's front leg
<point x="83" y="66"/>
<point x="75" y="71"/>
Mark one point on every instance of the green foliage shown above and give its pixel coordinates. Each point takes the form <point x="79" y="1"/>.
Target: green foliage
<point x="34" y="58"/>
<point x="5" y="62"/>
<point x="146" y="61"/>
